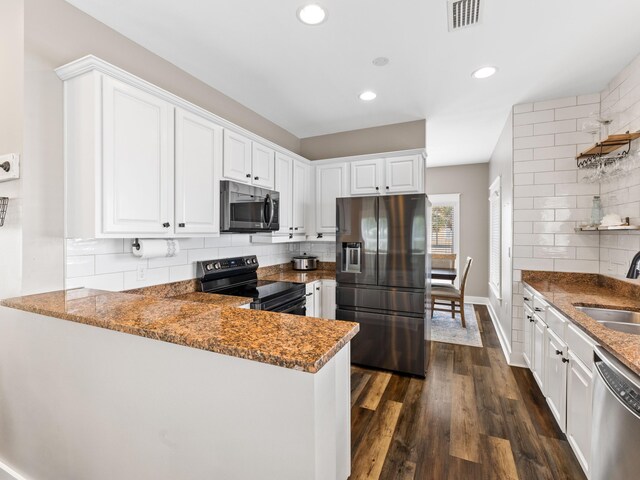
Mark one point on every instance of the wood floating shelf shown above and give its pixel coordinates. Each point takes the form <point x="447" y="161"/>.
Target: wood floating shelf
<point x="601" y="153"/>
<point x="611" y="144"/>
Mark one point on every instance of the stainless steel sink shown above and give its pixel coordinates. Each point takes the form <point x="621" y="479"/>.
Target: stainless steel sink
<point x="620" y="320"/>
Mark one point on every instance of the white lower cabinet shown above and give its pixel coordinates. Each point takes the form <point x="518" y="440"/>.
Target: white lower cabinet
<point x="321" y="299"/>
<point x="560" y="357"/>
<point x="579" y="387"/>
<point x="555" y="377"/>
<point x="539" y="334"/>
<point x="328" y="299"/>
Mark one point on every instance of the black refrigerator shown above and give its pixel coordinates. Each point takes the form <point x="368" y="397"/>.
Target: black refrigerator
<point x="382" y="271"/>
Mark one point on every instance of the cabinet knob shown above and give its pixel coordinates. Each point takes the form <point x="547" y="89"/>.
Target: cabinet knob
<point x="565" y="360"/>
<point x="527" y="299"/>
<point x="318" y="288"/>
<point x="248" y="175"/>
<point x="290" y="228"/>
<point x="319" y="235"/>
<point x="166" y="225"/>
<point x="256" y="178"/>
<point x="291" y="235"/>
<point x="296" y="229"/>
<point x="181" y="225"/>
<point x="377" y="188"/>
<point x="387" y="187"/>
<point x="558" y="352"/>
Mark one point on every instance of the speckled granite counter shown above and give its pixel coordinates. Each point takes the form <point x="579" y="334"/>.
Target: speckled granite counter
<point x="566" y="290"/>
<point x="302" y="277"/>
<point x="290" y="341"/>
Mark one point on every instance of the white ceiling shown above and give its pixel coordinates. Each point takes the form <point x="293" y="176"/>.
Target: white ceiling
<point x="307" y="79"/>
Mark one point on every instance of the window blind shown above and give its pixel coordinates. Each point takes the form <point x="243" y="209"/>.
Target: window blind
<point x="495" y="240"/>
<point x="442" y="229"/>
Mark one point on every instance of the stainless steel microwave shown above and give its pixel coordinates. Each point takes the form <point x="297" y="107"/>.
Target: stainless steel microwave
<point x="248" y="209"/>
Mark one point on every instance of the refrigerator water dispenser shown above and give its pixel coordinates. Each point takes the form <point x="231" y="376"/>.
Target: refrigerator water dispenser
<point x="351" y="255"/>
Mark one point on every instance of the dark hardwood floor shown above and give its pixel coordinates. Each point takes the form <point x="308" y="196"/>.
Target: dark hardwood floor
<point x="473" y="417"/>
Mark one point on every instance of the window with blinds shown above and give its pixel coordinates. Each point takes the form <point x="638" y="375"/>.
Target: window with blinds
<point x="495" y="238"/>
<point x="442" y="229"/>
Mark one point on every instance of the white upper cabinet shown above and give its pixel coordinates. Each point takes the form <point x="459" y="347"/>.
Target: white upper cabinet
<point x="331" y="183"/>
<point x="263" y="166"/>
<point x="137" y="161"/>
<point x="301" y="173"/>
<point x="284" y="185"/>
<point x="367" y="177"/>
<point x="237" y="157"/>
<point x="403" y="174"/>
<point x="198" y="168"/>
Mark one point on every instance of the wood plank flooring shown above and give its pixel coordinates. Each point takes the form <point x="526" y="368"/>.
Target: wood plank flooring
<point x="473" y="417"/>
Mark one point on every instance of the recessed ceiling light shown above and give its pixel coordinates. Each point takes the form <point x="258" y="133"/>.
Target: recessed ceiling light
<point x="484" y="72"/>
<point x="380" y="61"/>
<point x="367" y="96"/>
<point x="312" y="14"/>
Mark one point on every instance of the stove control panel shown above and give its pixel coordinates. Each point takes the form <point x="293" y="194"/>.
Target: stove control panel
<point x="227" y="265"/>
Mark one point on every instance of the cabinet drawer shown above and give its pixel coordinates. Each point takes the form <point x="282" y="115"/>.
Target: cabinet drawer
<point x="556" y="322"/>
<point x="580" y="344"/>
<point x="528" y="298"/>
<point x="539" y="306"/>
<point x="528" y="313"/>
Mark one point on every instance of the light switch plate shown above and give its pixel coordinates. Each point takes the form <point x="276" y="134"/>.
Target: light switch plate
<point x="13" y="159"/>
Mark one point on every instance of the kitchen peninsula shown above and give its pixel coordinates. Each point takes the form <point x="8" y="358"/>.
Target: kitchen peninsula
<point x="124" y="385"/>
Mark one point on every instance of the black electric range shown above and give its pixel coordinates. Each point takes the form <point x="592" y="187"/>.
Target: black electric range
<point x="237" y="276"/>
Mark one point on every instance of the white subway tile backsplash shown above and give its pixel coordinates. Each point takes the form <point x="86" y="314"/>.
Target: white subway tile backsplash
<point x="554" y="152"/>
<point x="182" y="272"/>
<point x="523" y="131"/>
<point x="522" y="227"/>
<point x="555" y="103"/>
<point x="553" y="227"/>
<point x="119" y="262"/>
<point x="573" y="215"/>
<point x="584" y="239"/>
<point x="533" y="117"/>
<point x="589" y="99"/>
<point x="78" y="246"/>
<point x="152" y="276"/>
<point x="561" y="126"/>
<point x="554" y="202"/>
<point x="532" y="239"/>
<point x="577" y="189"/>
<point x="523" y="179"/>
<point x="523" y="251"/>
<point x="582" y="266"/>
<point x="523" y="155"/>
<point x="533" y="166"/>
<point x="523" y="203"/>
<point x="588" y="253"/>
<point x="568" y="176"/>
<point x="565" y="163"/>
<point x="80" y="266"/>
<point x="533" y="142"/>
<point x="190" y="243"/>
<point x="113" y="282"/>
<point x="200" y="254"/>
<point x="533" y="264"/>
<point x="577" y="112"/>
<point x="533" y="191"/>
<point x="533" y="215"/>
<point x="554" y="252"/>
<point x="180" y="259"/>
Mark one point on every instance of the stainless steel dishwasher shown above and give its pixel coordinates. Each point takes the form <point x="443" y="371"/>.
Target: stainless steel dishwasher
<point x="615" y="430"/>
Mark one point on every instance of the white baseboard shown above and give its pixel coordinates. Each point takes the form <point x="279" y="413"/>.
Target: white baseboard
<point x="11" y="472"/>
<point x="476" y="300"/>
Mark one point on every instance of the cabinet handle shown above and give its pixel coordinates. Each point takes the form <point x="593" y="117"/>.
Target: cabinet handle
<point x="558" y="352"/>
<point x="538" y="309"/>
<point x="565" y="360"/>
<point x="291" y="235"/>
<point x="166" y="225"/>
<point x="248" y="175"/>
<point x="181" y="225"/>
<point x="296" y="229"/>
<point x="319" y="235"/>
<point x="290" y="228"/>
<point x="256" y="178"/>
<point x="527" y="299"/>
<point x="318" y="289"/>
<point x="308" y="294"/>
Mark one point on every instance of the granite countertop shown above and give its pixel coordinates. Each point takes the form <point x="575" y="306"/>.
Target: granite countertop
<point x="566" y="290"/>
<point x="302" y="277"/>
<point x="179" y="315"/>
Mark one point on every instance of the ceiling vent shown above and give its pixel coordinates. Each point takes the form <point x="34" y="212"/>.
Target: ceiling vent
<point x="463" y="13"/>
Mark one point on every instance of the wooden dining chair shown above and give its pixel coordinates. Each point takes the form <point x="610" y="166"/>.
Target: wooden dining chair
<point x="449" y="298"/>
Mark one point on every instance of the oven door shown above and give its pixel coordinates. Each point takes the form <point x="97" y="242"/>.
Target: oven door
<point x="296" y="307"/>
<point x="244" y="208"/>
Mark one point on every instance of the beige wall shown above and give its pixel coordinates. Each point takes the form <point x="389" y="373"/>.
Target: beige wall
<point x="471" y="182"/>
<point x="388" y="138"/>
<point x="11" y="140"/>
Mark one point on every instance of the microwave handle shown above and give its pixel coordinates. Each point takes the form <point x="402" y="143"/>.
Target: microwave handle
<point x="268" y="201"/>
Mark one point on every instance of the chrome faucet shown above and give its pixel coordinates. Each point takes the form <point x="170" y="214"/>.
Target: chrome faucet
<point x="634" y="269"/>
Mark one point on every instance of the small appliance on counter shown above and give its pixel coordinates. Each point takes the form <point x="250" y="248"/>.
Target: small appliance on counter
<point x="237" y="276"/>
<point x="305" y="262"/>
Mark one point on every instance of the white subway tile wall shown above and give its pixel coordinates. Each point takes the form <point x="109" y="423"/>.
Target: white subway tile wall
<point x="549" y="201"/>
<point x="110" y="265"/>
<point x="620" y="102"/>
